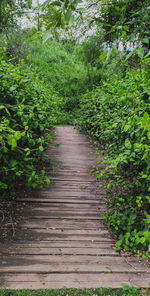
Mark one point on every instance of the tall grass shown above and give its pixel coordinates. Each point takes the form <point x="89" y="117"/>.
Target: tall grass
<point x="62" y="68"/>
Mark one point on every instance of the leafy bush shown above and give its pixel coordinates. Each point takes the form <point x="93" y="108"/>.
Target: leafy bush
<point x="117" y="113"/>
<point x="27" y="113"/>
<point x="62" y="69"/>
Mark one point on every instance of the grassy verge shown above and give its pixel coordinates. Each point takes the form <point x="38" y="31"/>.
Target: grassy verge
<point x="125" y="291"/>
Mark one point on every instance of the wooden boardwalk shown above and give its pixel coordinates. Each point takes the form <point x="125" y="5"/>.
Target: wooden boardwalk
<point x="63" y="241"/>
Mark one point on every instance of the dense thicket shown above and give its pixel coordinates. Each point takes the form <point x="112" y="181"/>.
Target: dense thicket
<point x="117" y="114"/>
<point x="27" y="113"/>
<point x="62" y="66"/>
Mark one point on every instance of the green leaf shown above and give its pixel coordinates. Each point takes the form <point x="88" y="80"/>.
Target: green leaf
<point x="2" y="107"/>
<point x="34" y="185"/>
<point x="28" y="153"/>
<point x="56" y="3"/>
<point x="41" y="148"/>
<point x="127" y="127"/>
<point x="12" y="88"/>
<point x="43" y="172"/>
<point x="129" y="55"/>
<point x="128" y="144"/>
<point x="11" y="141"/>
<point x="33" y="173"/>
<point x="145" y="40"/>
<point x="148" y="134"/>
<point x="14" y="144"/>
<point x="147" y="55"/>
<point x="47" y="181"/>
<point x="146" y="120"/>
<point x="47" y="35"/>
<point x="17" y="135"/>
<point x="140" y="52"/>
<point x="68" y="16"/>
<point x="13" y="163"/>
<point x="50" y="138"/>
<point x="103" y="56"/>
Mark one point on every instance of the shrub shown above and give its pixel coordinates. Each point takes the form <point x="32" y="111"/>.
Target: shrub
<point x="27" y="113"/>
<point x="117" y="113"/>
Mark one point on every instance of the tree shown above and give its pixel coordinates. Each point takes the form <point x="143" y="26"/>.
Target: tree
<point x="10" y="10"/>
<point x="126" y="20"/>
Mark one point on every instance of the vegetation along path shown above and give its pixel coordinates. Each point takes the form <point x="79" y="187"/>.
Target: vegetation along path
<point x="63" y="241"/>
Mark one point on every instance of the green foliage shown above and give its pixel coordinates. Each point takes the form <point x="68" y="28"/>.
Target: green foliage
<point x="117" y="114"/>
<point x="27" y="113"/>
<point x="125" y="291"/>
<point x="60" y="68"/>
<point x="127" y="20"/>
<point x="10" y="9"/>
<point x="58" y="13"/>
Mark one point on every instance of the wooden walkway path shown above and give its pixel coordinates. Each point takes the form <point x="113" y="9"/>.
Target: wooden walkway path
<point x="63" y="241"/>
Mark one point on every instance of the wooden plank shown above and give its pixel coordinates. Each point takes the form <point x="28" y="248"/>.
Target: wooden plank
<point x="42" y="234"/>
<point x="75" y="178"/>
<point x="25" y="265"/>
<point x="80" y="199"/>
<point x="66" y="217"/>
<point x="68" y="193"/>
<point x="85" y="233"/>
<point x="63" y="224"/>
<point x="63" y="201"/>
<point x="107" y="260"/>
<point x="53" y="234"/>
<point x="60" y="251"/>
<point x="62" y="206"/>
<point x="56" y="244"/>
<point x="63" y="210"/>
<point x="80" y="280"/>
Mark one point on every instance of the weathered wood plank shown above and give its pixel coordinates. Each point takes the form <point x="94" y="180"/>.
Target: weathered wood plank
<point x="64" y="210"/>
<point x="56" y="244"/>
<point x="80" y="280"/>
<point x="66" y="205"/>
<point x="60" y="251"/>
<point x="64" y="223"/>
<point x="64" y="263"/>
<point x="29" y="266"/>
<point x="65" y="217"/>
<point x="62" y="200"/>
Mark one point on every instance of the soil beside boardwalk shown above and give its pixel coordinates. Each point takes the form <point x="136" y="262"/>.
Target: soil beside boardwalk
<point x="63" y="241"/>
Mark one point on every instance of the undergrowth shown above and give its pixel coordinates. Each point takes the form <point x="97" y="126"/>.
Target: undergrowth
<point x="125" y="291"/>
<point x="61" y="66"/>
<point x="27" y="114"/>
<point x="117" y="114"/>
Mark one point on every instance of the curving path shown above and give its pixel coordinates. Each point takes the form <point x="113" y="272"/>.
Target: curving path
<point x="63" y="241"/>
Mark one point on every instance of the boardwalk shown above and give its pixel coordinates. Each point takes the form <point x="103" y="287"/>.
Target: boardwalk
<point x="63" y="241"/>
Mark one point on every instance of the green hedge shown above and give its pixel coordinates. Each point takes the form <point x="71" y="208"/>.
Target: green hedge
<point x="117" y="114"/>
<point x="27" y="113"/>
